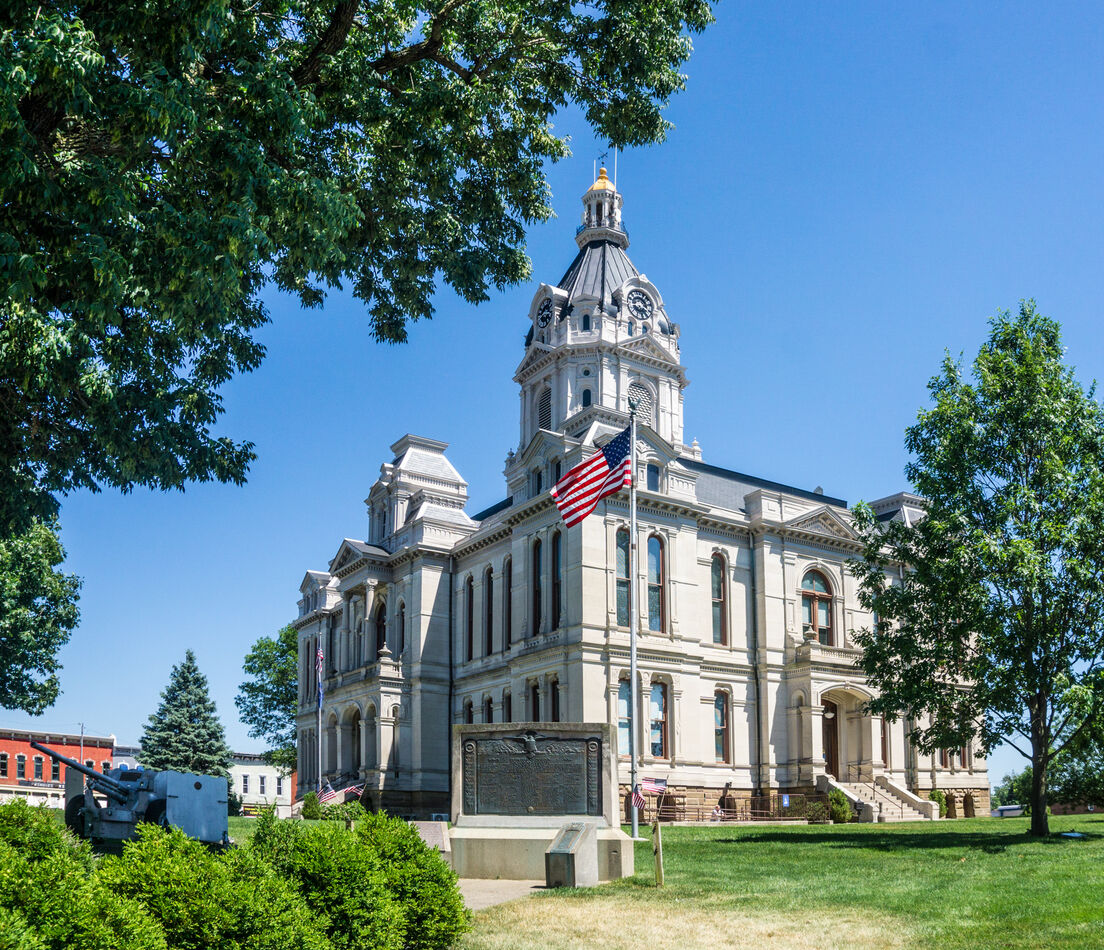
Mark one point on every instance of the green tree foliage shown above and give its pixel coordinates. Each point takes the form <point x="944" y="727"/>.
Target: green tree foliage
<point x="185" y="733"/>
<point x="51" y="897"/>
<point x="202" y="899"/>
<point x="839" y="807"/>
<point x="268" y="702"/>
<point x="312" y="807"/>
<point x="991" y="607"/>
<point x="38" y="611"/>
<point x="940" y="797"/>
<point x="1014" y="789"/>
<point x="159" y="164"/>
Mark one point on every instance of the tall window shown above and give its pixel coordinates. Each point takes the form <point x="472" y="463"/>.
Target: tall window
<point x="718" y="592"/>
<point x="623" y="718"/>
<point x="651" y="474"/>
<point x="536" y="480"/>
<point x="944" y="759"/>
<point x="279" y="785"/>
<point x="381" y="628"/>
<point x="469" y="714"/>
<point x="557" y="577"/>
<point x="488" y="710"/>
<point x="554" y="696"/>
<point x="261" y="784"/>
<point x="38" y="767"/>
<point x="962" y="755"/>
<point x="245" y="784"/>
<point x="507" y="707"/>
<point x="656" y="578"/>
<point x="402" y="627"/>
<point x="534" y="702"/>
<point x="508" y="606"/>
<point x="488" y="611"/>
<point x="816" y="606"/>
<point x="586" y="398"/>
<point x="657" y="714"/>
<point x="469" y="618"/>
<point x="721" y="745"/>
<point x="20" y="766"/>
<point x="3" y="764"/>
<point x="55" y="770"/>
<point x="623" y="577"/>
<point x="536" y="588"/>
<point x="585" y="328"/>
<point x="885" y="742"/>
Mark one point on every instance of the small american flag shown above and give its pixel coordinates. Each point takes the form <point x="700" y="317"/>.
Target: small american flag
<point x="318" y="670"/>
<point x="654" y="786"/>
<point x="637" y="798"/>
<point x="604" y="473"/>
<point x="327" y="794"/>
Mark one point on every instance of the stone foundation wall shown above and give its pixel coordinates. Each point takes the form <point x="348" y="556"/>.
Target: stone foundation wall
<point x="962" y="801"/>
<point x="416" y="804"/>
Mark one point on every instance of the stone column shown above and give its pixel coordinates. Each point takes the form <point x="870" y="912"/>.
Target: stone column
<point x="365" y="765"/>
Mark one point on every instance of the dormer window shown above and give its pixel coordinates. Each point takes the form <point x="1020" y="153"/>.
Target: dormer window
<point x="585" y="323"/>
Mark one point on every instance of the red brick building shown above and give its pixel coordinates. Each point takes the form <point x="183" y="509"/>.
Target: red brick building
<point x="32" y="775"/>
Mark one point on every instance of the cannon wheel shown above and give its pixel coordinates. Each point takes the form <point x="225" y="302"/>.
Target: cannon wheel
<point x="74" y="816"/>
<point x="155" y="814"/>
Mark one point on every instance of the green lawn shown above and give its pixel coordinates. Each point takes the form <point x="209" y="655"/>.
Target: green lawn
<point x="969" y="883"/>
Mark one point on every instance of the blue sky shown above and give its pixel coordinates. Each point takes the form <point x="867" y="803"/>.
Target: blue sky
<point x="849" y="191"/>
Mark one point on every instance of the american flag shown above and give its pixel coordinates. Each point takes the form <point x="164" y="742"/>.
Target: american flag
<point x="318" y="670"/>
<point x="637" y="798"/>
<point x="654" y="786"/>
<point x="327" y="794"/>
<point x="605" y="473"/>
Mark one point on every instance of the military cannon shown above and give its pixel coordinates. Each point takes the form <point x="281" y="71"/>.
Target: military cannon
<point x="196" y="804"/>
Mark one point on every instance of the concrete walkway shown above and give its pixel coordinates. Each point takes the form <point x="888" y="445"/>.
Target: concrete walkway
<point x="481" y="892"/>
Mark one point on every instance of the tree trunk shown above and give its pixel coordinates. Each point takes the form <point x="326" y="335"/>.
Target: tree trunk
<point x="1040" y="746"/>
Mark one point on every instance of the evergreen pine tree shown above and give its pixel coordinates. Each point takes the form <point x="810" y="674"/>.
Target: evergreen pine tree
<point x="185" y="733"/>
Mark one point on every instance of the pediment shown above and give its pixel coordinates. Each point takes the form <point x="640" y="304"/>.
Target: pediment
<point x="646" y="346"/>
<point x="826" y="522"/>
<point x="544" y="446"/>
<point x="346" y="554"/>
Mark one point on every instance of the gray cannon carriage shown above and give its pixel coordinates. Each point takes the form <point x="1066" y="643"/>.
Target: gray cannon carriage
<point x="106" y="808"/>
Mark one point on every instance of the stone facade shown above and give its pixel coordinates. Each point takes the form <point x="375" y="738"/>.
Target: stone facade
<point x="748" y="676"/>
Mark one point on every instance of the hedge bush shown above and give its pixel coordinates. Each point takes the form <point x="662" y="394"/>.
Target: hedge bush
<point x="205" y="899"/>
<point x="938" y="795"/>
<point x="312" y="808"/>
<point x="51" y="896"/>
<point x="344" y="811"/>
<point x="839" y="807"/>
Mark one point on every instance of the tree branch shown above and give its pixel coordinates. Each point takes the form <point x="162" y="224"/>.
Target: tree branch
<point x="331" y="40"/>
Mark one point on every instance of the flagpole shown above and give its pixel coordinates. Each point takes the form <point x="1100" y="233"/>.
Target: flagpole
<point x="320" y="672"/>
<point x="632" y="621"/>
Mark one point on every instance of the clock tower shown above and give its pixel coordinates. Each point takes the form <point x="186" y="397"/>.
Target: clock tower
<point x="599" y="337"/>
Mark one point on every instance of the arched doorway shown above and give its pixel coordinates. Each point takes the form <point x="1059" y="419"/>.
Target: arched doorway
<point x="830" y="738"/>
<point x="968" y="805"/>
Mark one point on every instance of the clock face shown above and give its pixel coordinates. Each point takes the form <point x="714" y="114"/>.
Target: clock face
<point x="544" y="312"/>
<point x="640" y="305"/>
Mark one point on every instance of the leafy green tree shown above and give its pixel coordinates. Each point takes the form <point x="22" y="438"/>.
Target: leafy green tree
<point x="991" y="608"/>
<point x="160" y="164"/>
<point x="185" y="734"/>
<point x="268" y="702"/>
<point x="38" y="611"/>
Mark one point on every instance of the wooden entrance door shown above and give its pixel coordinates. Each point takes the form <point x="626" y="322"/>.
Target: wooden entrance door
<point x="830" y="726"/>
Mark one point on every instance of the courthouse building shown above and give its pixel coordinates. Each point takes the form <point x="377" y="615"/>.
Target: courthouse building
<point x="748" y="676"/>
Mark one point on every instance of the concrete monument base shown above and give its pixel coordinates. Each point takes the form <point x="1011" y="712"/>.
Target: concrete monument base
<point x="518" y="853"/>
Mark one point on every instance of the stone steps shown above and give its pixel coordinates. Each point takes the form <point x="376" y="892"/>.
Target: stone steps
<point x="892" y="808"/>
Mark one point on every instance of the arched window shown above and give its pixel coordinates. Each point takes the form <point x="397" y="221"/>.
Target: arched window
<point x="585" y="327"/>
<point x="557" y="578"/>
<point x="536" y="480"/>
<point x="508" y="606"/>
<point x="657" y="714"/>
<point x="402" y="628"/>
<point x="544" y="409"/>
<point x="488" y="611"/>
<point x="657" y="575"/>
<point x="469" y="618"/>
<point x="557" y="470"/>
<point x="554" y="697"/>
<point x="622" y="577"/>
<point x="536" y="589"/>
<point x="651" y="473"/>
<point x="488" y="709"/>
<point x="623" y="718"/>
<point x="718" y="589"/>
<point x="507" y="707"/>
<point x="586" y="398"/>
<point x="816" y="606"/>
<point x="469" y="713"/>
<point x="534" y="702"/>
<point x="721" y="744"/>
<point x="381" y="627"/>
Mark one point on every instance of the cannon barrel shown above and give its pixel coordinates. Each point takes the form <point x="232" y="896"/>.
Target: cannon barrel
<point x="101" y="783"/>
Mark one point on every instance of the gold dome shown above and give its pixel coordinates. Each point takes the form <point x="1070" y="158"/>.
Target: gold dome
<point x="602" y="184"/>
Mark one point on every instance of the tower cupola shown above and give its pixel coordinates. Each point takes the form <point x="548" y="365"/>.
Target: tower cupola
<point x="602" y="214"/>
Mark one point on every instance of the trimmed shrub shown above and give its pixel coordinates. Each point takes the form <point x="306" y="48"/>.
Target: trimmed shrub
<point x="839" y="807"/>
<point x="342" y="881"/>
<point x="50" y="897"/>
<point x="816" y="813"/>
<point x="312" y="808"/>
<point x="344" y="811"/>
<point x="938" y="795"/>
<point x="434" y="911"/>
<point x="202" y="899"/>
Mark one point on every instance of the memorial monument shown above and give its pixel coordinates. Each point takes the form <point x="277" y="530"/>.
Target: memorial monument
<point x="516" y="785"/>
